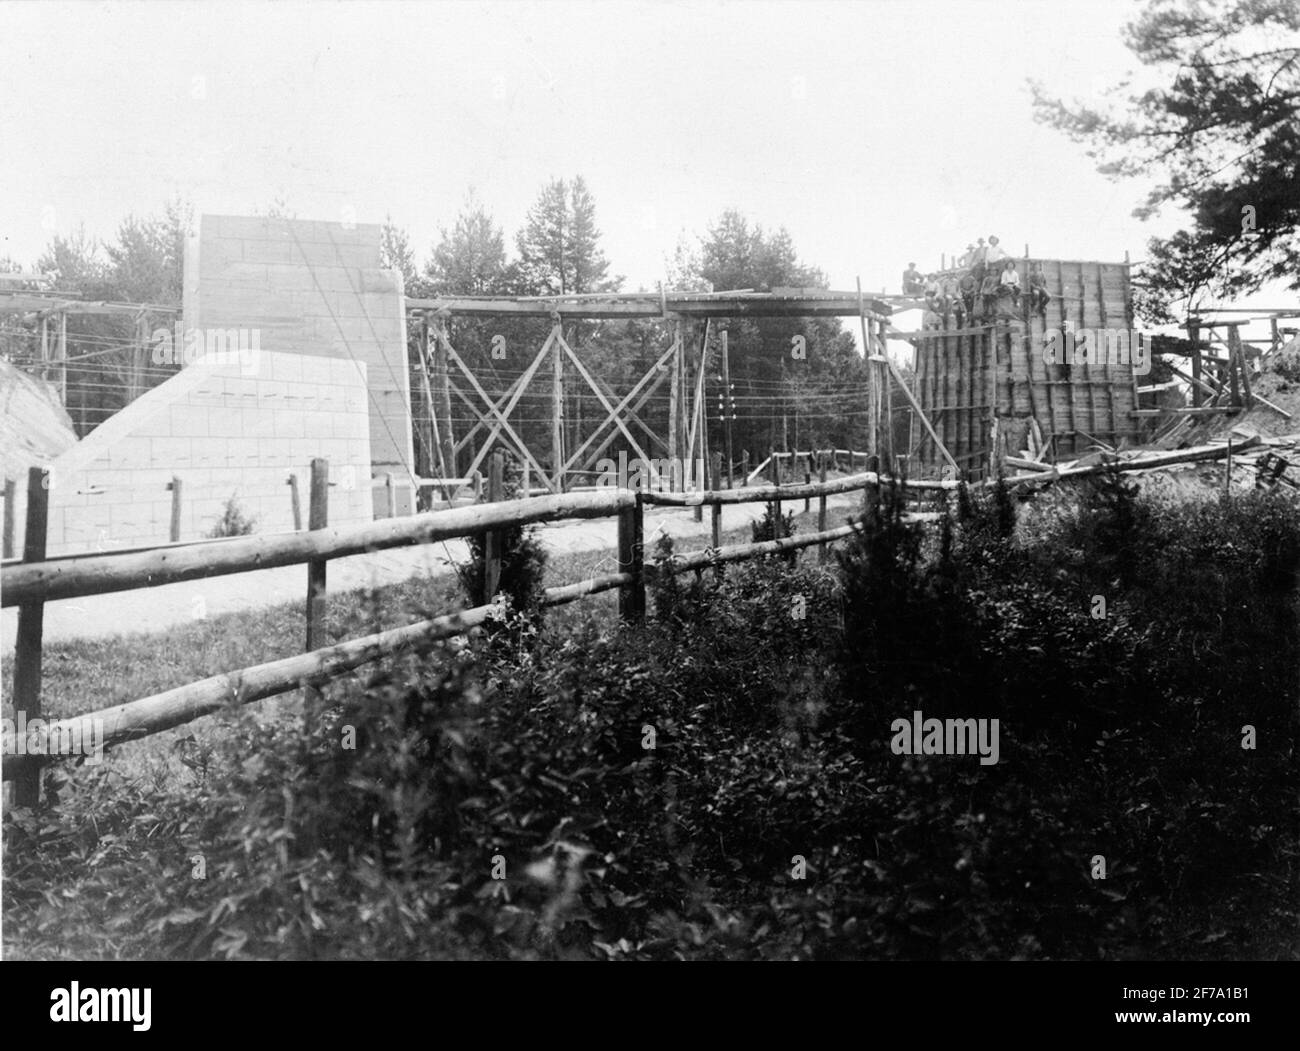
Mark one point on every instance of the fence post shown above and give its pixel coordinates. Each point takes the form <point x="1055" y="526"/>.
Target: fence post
<point x="317" y="518"/>
<point x="297" y="502"/>
<point x="717" y="508"/>
<point x="871" y="491"/>
<point x="807" y="480"/>
<point x="631" y="554"/>
<point x="744" y="468"/>
<point x="10" y="490"/>
<point x="775" y="469"/>
<point x="175" y="487"/>
<point x="492" y="539"/>
<point x="390" y="497"/>
<point x="823" y="552"/>
<point x="31" y="622"/>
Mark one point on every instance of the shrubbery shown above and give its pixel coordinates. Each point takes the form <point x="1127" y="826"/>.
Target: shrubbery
<point x="648" y="788"/>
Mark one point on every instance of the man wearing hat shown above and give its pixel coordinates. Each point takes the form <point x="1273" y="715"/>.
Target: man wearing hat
<point x="913" y="282"/>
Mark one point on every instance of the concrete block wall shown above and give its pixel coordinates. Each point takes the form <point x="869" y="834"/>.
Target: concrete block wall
<point x="224" y="430"/>
<point x="315" y="289"/>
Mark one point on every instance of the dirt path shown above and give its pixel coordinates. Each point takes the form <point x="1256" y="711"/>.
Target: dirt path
<point x="151" y="610"/>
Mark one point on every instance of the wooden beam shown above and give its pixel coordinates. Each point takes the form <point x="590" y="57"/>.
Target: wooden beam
<point x="502" y="422"/>
<point x="653" y="305"/>
<point x="618" y="421"/>
<point x="80" y="575"/>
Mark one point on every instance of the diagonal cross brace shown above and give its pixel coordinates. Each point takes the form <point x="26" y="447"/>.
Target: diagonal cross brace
<point x="502" y="422"/>
<point x="651" y="374"/>
<point x="618" y="421"/>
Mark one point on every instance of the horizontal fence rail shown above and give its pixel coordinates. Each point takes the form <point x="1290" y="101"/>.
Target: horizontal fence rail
<point x="175" y="707"/>
<point x="83" y="575"/>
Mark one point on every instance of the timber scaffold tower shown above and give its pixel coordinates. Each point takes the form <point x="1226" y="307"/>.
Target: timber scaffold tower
<point x="489" y="402"/>
<point x="987" y="389"/>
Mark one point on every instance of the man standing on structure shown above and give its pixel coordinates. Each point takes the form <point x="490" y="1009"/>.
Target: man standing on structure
<point x="912" y="281"/>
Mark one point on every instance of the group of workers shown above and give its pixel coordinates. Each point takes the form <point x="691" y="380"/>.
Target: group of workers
<point x="984" y="274"/>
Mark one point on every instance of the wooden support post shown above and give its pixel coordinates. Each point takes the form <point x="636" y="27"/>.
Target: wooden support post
<point x="1233" y="364"/>
<point x="317" y="607"/>
<point x="1194" y="334"/>
<point x="175" y="487"/>
<point x="716" y="508"/>
<point x="492" y="539"/>
<point x="1238" y="351"/>
<point x="675" y="407"/>
<point x="390" y="497"/>
<point x="10" y="492"/>
<point x="807" y="480"/>
<point x="775" y="468"/>
<point x="728" y="407"/>
<point x="1227" y="471"/>
<point x="31" y="622"/>
<point x="442" y="403"/>
<point x="296" y="502"/>
<point x="631" y="596"/>
<point x="557" y="412"/>
<point x="823" y="551"/>
<point x="63" y="359"/>
<point x="744" y="468"/>
<point x="874" y="401"/>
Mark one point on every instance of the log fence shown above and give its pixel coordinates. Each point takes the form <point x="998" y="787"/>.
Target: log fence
<point x="35" y="580"/>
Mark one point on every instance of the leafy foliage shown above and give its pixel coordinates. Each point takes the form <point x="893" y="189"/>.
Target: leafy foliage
<point x="233" y="520"/>
<point x="1221" y="133"/>
<point x="645" y="792"/>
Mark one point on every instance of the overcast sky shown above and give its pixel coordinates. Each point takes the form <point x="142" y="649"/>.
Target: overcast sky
<point x="877" y="132"/>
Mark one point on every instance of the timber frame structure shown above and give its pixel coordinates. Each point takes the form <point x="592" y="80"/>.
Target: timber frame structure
<point x="988" y="391"/>
<point x="682" y="364"/>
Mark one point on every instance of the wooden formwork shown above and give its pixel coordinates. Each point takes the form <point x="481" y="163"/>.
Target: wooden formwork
<point x="984" y="386"/>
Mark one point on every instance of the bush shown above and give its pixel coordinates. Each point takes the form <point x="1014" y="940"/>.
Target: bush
<point x="523" y="563"/>
<point x="233" y="521"/>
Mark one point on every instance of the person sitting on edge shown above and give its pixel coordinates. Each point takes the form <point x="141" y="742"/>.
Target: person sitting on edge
<point x="967" y="286"/>
<point x="948" y="290"/>
<point x="956" y="310"/>
<point x="912" y="281"/>
<point x="1038" y="290"/>
<point x="1009" y="282"/>
<point x="931" y="292"/>
<point x="931" y="319"/>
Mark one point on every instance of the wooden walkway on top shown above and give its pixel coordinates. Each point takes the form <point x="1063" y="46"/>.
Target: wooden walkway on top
<point x="777" y="303"/>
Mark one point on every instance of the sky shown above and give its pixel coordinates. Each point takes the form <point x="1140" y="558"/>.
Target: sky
<point x="877" y="132"/>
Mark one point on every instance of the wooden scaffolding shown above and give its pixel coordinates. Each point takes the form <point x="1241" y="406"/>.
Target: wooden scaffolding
<point x="988" y="390"/>
<point x="682" y="365"/>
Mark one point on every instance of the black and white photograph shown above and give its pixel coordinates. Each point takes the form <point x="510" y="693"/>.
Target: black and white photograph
<point x="652" y="481"/>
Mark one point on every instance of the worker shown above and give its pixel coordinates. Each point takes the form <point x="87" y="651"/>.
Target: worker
<point x="955" y="310"/>
<point x="994" y="256"/>
<point x="912" y="281"/>
<point x="988" y="295"/>
<point x="931" y="319"/>
<point x="931" y="292"/>
<point x="967" y="287"/>
<point x="977" y="262"/>
<point x="948" y="292"/>
<point x="1009" y="282"/>
<point x="1038" y="296"/>
<point x="967" y="257"/>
